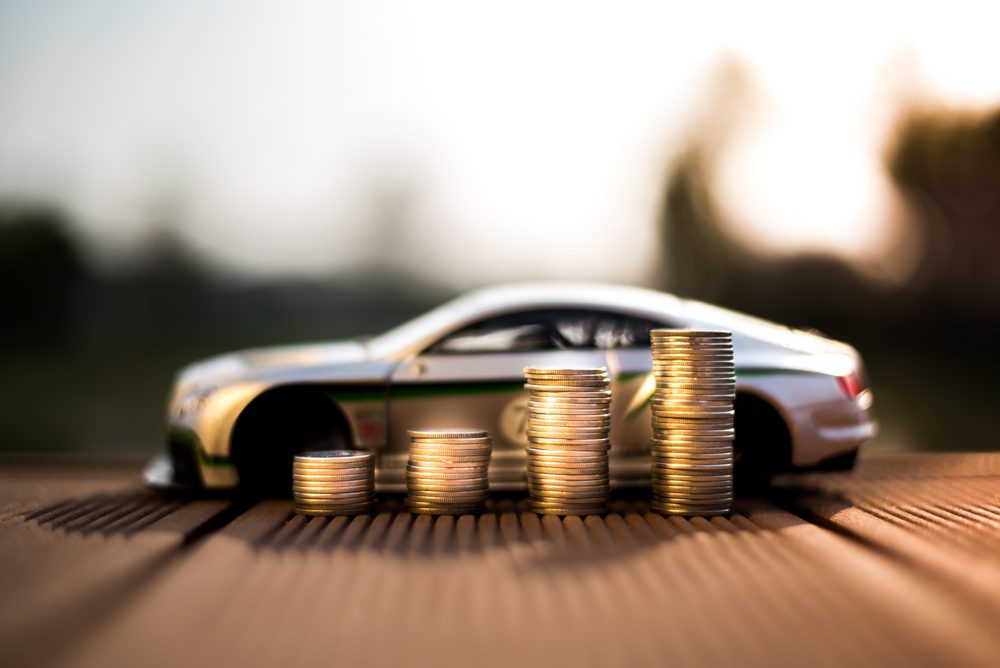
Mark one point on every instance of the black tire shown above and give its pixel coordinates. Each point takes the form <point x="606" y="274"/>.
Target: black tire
<point x="763" y="445"/>
<point x="274" y="428"/>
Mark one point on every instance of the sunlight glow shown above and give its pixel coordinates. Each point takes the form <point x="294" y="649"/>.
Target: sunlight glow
<point x="532" y="138"/>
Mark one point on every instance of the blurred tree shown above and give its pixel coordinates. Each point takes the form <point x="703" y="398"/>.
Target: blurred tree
<point x="41" y="272"/>
<point x="947" y="168"/>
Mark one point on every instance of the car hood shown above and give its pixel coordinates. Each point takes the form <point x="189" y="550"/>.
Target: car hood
<point x="270" y="361"/>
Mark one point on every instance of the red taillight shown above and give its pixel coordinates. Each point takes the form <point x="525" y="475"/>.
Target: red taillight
<point x="851" y="385"/>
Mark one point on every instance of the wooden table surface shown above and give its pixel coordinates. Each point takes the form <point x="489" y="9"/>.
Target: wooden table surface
<point x="897" y="563"/>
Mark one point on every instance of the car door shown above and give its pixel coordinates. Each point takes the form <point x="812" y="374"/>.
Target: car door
<point x="474" y="378"/>
<point x="625" y="338"/>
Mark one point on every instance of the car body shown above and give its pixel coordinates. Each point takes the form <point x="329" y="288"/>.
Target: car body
<point x="238" y="419"/>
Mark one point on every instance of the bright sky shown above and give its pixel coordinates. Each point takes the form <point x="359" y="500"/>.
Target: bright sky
<point x="528" y="139"/>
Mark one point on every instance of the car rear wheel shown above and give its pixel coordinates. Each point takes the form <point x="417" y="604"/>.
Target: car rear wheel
<point x="763" y="445"/>
<point x="274" y="428"/>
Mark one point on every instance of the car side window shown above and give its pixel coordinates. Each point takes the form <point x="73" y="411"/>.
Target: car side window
<point x="548" y="330"/>
<point x="604" y="331"/>
<point x="620" y="331"/>
<point x="512" y="333"/>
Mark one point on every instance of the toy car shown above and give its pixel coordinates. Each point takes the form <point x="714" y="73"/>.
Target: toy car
<point x="238" y="420"/>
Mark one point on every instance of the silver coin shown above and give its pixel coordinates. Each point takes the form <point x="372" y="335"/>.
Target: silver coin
<point x="544" y="407"/>
<point x="449" y="453"/>
<point x="336" y="511"/>
<point x="691" y="455"/>
<point x="332" y="468"/>
<point x="447" y="468"/>
<point x="693" y="386"/>
<point x="668" y="457"/>
<point x="356" y="456"/>
<point x="360" y="502"/>
<point x="688" y="332"/>
<point x="559" y="415"/>
<point x="470" y="501"/>
<point x="700" y="423"/>
<point x="562" y="471"/>
<point x="591" y="477"/>
<point x="676" y="411"/>
<point x="557" y="376"/>
<point x="475" y="446"/>
<point x="540" y="442"/>
<point x="567" y="381"/>
<point x="667" y="366"/>
<point x="327" y="484"/>
<point x="448" y="474"/>
<point x="571" y="456"/>
<point x="694" y="506"/>
<point x="333" y="475"/>
<point x="437" y="495"/>
<point x="544" y="392"/>
<point x="668" y="454"/>
<point x="567" y="468"/>
<point x="671" y="438"/>
<point x="689" y="402"/>
<point x="569" y="371"/>
<point x="576" y="421"/>
<point x="434" y="448"/>
<point x="338" y="495"/>
<point x="577" y="494"/>
<point x="568" y="434"/>
<point x="447" y="433"/>
<point x="671" y="435"/>
<point x="477" y="453"/>
<point x="692" y="480"/>
<point x="601" y="398"/>
<point x="561" y="508"/>
<point x="692" y="498"/>
<point x="695" y="490"/>
<point x="684" y="466"/>
<point x="446" y="498"/>
<point x="701" y="358"/>
<point x="310" y="493"/>
<point x="674" y="452"/>
<point x="435" y="510"/>
<point x="571" y="426"/>
<point x="546" y="403"/>
<point x="431" y="485"/>
<point x="419" y="464"/>
<point x="562" y="379"/>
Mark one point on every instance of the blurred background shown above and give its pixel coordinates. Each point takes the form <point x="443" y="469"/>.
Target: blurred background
<point x="182" y="179"/>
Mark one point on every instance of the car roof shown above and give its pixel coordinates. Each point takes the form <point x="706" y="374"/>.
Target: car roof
<point x="565" y="294"/>
<point x="496" y="300"/>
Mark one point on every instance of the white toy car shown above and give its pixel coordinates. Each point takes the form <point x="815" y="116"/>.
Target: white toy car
<point x="237" y="420"/>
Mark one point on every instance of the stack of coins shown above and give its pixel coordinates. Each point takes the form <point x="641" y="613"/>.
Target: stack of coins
<point x="448" y="471"/>
<point x="569" y="415"/>
<point x="333" y="482"/>
<point x="692" y="413"/>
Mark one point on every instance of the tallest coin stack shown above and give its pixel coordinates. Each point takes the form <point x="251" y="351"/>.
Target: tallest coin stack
<point x="692" y="413"/>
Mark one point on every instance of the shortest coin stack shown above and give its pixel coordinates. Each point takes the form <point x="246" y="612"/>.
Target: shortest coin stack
<point x="448" y="471"/>
<point x="334" y="482"/>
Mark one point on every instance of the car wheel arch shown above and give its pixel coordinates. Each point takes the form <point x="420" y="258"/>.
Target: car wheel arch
<point x="279" y="422"/>
<point x="759" y="417"/>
